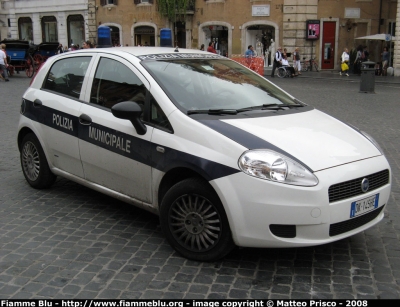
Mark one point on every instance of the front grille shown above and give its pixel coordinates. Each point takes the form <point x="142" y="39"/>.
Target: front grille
<point x="283" y="231"/>
<point x="352" y="188"/>
<point x="342" y="227"/>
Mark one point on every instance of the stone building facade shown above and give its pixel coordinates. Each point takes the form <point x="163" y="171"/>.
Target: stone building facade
<point x="320" y="28"/>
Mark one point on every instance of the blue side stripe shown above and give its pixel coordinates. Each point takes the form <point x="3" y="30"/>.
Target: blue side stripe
<point x="139" y="150"/>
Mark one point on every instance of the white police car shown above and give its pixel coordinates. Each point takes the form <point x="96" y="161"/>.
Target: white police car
<point x="221" y="154"/>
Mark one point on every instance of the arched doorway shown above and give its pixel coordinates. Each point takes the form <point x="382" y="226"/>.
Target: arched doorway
<point x="115" y="39"/>
<point x="180" y="34"/>
<point x="263" y="35"/>
<point x="144" y="35"/>
<point x="218" y="32"/>
<point x="260" y="36"/>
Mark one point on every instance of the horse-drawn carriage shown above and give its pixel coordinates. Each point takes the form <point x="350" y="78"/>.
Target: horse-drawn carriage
<point x="23" y="56"/>
<point x="19" y="57"/>
<point x="43" y="51"/>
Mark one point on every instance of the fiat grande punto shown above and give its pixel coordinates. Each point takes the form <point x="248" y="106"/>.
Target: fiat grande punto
<point x="222" y="155"/>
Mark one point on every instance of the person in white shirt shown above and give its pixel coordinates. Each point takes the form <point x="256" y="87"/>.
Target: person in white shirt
<point x="296" y="60"/>
<point x="345" y="60"/>
<point x="285" y="63"/>
<point x="3" y="62"/>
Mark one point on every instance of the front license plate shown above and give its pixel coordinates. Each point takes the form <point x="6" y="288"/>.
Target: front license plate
<point x="365" y="205"/>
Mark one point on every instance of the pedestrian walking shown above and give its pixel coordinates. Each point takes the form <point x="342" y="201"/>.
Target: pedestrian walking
<point x="211" y="47"/>
<point x="357" y="61"/>
<point x="3" y="62"/>
<point x="87" y="45"/>
<point x="277" y="61"/>
<point x="60" y="48"/>
<point x="250" y="52"/>
<point x="72" y="47"/>
<point x="296" y="61"/>
<point x="345" y="62"/>
<point x="385" y="61"/>
<point x="365" y="54"/>
<point x="284" y="53"/>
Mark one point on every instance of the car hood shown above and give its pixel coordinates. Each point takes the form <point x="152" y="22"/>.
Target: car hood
<point x="314" y="138"/>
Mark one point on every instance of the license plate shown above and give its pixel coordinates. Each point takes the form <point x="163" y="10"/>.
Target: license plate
<point x="365" y="205"/>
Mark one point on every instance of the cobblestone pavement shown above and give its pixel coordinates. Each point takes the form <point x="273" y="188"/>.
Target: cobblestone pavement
<point x="72" y="242"/>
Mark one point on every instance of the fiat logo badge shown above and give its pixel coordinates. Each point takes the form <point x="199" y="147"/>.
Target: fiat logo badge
<point x="365" y="185"/>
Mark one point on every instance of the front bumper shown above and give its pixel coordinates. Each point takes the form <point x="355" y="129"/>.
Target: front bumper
<point x="253" y="204"/>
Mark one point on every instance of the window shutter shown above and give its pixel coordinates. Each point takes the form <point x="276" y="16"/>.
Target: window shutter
<point x="115" y="2"/>
<point x="137" y="1"/>
<point x="151" y="1"/>
<point x="103" y="2"/>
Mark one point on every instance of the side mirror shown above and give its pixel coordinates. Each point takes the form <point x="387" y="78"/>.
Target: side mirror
<point x="131" y="111"/>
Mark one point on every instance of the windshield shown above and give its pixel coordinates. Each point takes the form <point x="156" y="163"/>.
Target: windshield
<point x="202" y="84"/>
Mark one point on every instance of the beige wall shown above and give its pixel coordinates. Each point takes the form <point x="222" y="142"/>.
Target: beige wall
<point x="396" y="59"/>
<point x="288" y="17"/>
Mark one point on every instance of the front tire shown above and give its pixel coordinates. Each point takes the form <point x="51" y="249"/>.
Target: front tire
<point x="34" y="163"/>
<point x="194" y="221"/>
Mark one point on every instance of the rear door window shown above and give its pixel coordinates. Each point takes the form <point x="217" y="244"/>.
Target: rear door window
<point x="66" y="76"/>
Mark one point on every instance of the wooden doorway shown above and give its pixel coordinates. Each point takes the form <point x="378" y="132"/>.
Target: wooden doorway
<point x="328" y="45"/>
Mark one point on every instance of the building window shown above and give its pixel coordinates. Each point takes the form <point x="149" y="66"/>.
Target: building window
<point x="144" y="1"/>
<point x="49" y="29"/>
<point x="76" y="30"/>
<point x="108" y="2"/>
<point x="392" y="27"/>
<point x="25" y="29"/>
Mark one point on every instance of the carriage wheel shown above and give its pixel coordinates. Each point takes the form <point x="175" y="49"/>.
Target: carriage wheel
<point x="10" y="70"/>
<point x="37" y="60"/>
<point x="29" y="67"/>
<point x="30" y="71"/>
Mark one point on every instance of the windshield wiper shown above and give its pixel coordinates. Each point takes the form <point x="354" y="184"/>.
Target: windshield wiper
<point x="275" y="106"/>
<point x="270" y="106"/>
<point x="213" y="111"/>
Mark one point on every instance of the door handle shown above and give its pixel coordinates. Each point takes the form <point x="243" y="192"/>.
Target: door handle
<point x="85" y="119"/>
<point x="37" y="103"/>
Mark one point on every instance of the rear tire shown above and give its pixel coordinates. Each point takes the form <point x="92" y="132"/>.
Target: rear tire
<point x="34" y="163"/>
<point x="194" y="221"/>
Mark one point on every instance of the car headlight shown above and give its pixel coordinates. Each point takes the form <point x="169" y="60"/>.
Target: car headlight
<point x="270" y="165"/>
<point x="372" y="140"/>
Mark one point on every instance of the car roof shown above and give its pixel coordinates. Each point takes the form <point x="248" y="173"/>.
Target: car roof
<point x="144" y="51"/>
